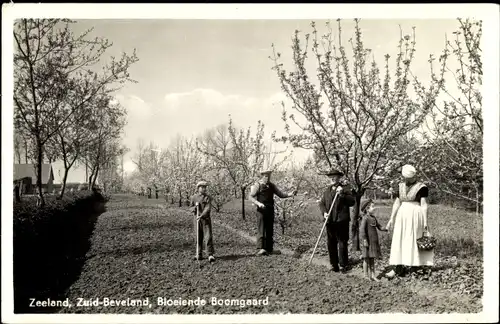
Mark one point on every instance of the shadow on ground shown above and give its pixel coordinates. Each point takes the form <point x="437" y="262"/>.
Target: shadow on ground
<point x="233" y="257"/>
<point x="300" y="250"/>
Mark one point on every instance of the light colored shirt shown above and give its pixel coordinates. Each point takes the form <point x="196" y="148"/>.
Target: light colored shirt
<point x="254" y="190"/>
<point x="205" y="204"/>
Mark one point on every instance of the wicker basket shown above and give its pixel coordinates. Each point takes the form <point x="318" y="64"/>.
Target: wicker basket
<point x="426" y="242"/>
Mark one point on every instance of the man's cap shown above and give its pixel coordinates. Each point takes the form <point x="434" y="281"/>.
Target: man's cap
<point x="334" y="172"/>
<point x="266" y="171"/>
<point x="201" y="184"/>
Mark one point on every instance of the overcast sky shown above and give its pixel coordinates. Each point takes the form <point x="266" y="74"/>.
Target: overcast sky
<point x="193" y="73"/>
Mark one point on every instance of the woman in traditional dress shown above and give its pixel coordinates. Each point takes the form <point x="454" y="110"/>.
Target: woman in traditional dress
<point x="409" y="217"/>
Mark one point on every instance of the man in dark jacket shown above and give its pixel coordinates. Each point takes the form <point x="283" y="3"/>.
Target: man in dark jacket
<point x="262" y="195"/>
<point x="337" y="226"/>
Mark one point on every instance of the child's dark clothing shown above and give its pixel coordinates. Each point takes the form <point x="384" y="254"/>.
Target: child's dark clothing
<point x="368" y="232"/>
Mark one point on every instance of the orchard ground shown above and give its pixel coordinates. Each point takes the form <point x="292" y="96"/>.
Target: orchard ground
<point x="143" y="248"/>
<point x="459" y="251"/>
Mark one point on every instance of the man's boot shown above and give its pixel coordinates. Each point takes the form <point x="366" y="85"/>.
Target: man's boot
<point x="262" y="252"/>
<point x="334" y="268"/>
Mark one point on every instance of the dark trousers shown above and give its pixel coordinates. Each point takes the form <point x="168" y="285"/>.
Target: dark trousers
<point x="205" y="235"/>
<point x="337" y="235"/>
<point x="265" y="228"/>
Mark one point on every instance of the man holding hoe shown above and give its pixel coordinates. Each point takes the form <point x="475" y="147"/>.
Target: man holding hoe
<point x="262" y="195"/>
<point x="201" y="202"/>
<point x="337" y="219"/>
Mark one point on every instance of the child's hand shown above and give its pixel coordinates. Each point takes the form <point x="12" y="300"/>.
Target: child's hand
<point x="260" y="205"/>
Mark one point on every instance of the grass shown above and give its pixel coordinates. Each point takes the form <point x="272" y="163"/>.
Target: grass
<point x="459" y="233"/>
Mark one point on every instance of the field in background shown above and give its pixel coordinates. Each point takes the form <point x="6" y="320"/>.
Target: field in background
<point x="459" y="233"/>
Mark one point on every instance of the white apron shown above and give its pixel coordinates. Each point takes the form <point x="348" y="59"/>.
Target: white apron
<point x="408" y="227"/>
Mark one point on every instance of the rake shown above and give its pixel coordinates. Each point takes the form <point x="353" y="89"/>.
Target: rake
<point x="323" y="228"/>
<point x="198" y="234"/>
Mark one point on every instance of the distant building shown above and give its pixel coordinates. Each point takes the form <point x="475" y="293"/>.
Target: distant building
<point x="26" y="176"/>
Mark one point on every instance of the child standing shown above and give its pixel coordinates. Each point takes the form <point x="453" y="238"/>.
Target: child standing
<point x="369" y="239"/>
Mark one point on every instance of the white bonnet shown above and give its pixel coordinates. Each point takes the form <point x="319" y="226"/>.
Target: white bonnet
<point x="408" y="171"/>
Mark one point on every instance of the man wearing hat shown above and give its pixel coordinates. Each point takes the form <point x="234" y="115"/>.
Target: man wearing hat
<point x="337" y="226"/>
<point x="262" y="195"/>
<point x="201" y="202"/>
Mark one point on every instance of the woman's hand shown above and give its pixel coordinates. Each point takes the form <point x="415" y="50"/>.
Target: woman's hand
<point x="423" y="204"/>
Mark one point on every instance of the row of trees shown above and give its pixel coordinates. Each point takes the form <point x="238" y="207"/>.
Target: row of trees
<point x="226" y="156"/>
<point x="230" y="159"/>
<point x="63" y="99"/>
<point x="364" y="119"/>
<point x="452" y="152"/>
<point x="356" y="116"/>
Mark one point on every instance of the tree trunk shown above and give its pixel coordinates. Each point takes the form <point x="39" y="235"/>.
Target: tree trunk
<point x="26" y="152"/>
<point x="283" y="224"/>
<point x="235" y="193"/>
<point x="39" y="161"/>
<point x="355" y="221"/>
<point x="123" y="172"/>
<point x="16" y="192"/>
<point x="180" y="199"/>
<point x="477" y="201"/>
<point x="86" y="169"/>
<point x="89" y="181"/>
<point x="93" y="176"/>
<point x="17" y="152"/>
<point x="65" y="178"/>
<point x="243" y="189"/>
